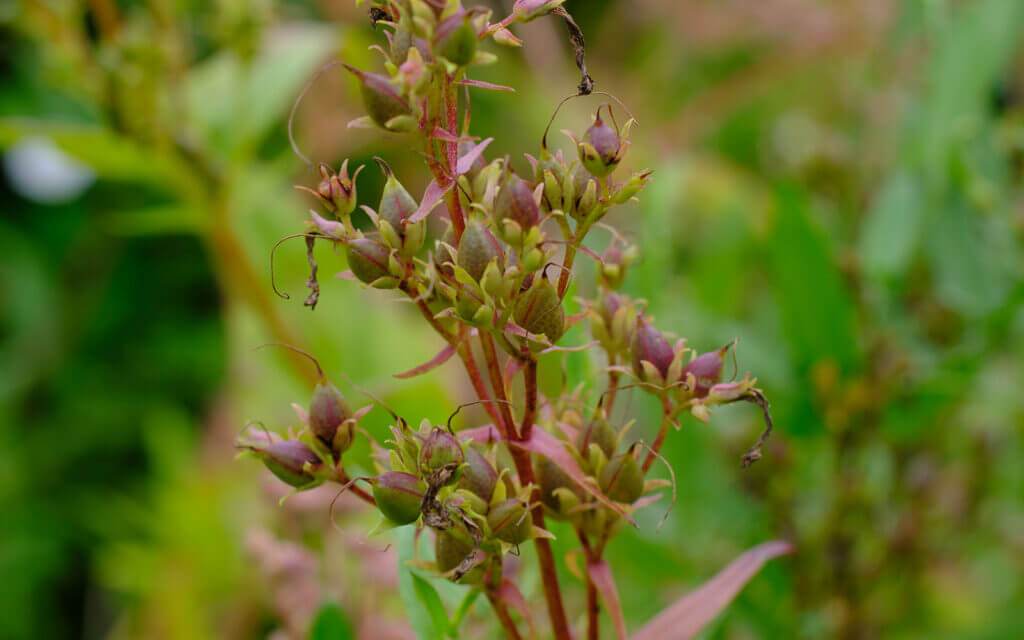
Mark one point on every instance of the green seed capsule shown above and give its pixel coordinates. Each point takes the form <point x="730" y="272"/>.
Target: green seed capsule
<point x="450" y="551"/>
<point x="550" y="478"/>
<point x="368" y="259"/>
<point x="622" y="480"/>
<point x="441" y="449"/>
<point x="381" y="100"/>
<point x="510" y="522"/>
<point x="399" y="496"/>
<point x="455" y="39"/>
<point x="539" y="310"/>
<point x="477" y="248"/>
<point x="599" y="432"/>
<point x="288" y="459"/>
<point x="478" y="476"/>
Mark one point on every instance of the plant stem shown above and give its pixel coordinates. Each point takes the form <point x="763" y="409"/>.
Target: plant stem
<point x="344" y="479"/>
<point x="451" y="107"/>
<point x="613" y="386"/>
<point x="503" y="616"/>
<point x="498" y="383"/>
<point x="666" y="419"/>
<point x="530" y="380"/>
<point x="593" y="606"/>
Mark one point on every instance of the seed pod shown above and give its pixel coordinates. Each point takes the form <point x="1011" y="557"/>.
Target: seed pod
<point x="396" y="206"/>
<point x="550" y="478"/>
<point x="601" y="148"/>
<point x="527" y="10"/>
<point x="650" y="345"/>
<point x="621" y="479"/>
<point x="510" y="522"/>
<point x="327" y="412"/>
<point x="478" y="476"/>
<point x="598" y="431"/>
<point x="450" y="552"/>
<point x="614" y="265"/>
<point x="287" y="460"/>
<point x="477" y="248"/>
<point x="381" y="100"/>
<point x="539" y="310"/>
<point x="609" y="303"/>
<point x="707" y="370"/>
<point x="585" y="188"/>
<point x="515" y="202"/>
<point x="455" y="39"/>
<point x="399" y="496"/>
<point x="440" y="449"/>
<point x="368" y="259"/>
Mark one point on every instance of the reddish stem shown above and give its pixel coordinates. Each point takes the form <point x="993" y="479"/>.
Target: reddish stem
<point x="343" y="479"/>
<point x="613" y="386"/>
<point x="503" y="616"/>
<point x="530" y="380"/>
<point x="451" y="107"/>
<point x="593" y="606"/>
<point x="498" y="383"/>
<point x="666" y="412"/>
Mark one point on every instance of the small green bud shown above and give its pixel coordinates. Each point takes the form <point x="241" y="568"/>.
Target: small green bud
<point x="510" y="522"/>
<point x="381" y="100"/>
<point x="539" y="310"/>
<point x="369" y="261"/>
<point x="399" y="496"/>
<point x="440" y="449"/>
<point x="622" y="479"/>
<point x="289" y="461"/>
<point x="478" y="476"/>
<point x="477" y="248"/>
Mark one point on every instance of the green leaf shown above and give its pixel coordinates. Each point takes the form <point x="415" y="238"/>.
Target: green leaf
<point x="331" y="624"/>
<point x="416" y="599"/>
<point x="817" y="313"/>
<point x="892" y="229"/>
<point x="429" y="598"/>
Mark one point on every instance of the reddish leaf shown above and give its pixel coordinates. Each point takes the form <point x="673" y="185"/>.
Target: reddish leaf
<point x="685" y="619"/>
<point x="601" y="575"/>
<point x="543" y="443"/>
<point x="481" y="435"/>
<point x="442" y="357"/>
<point x="442" y="134"/>
<point x="486" y="85"/>
<point x="466" y="161"/>
<point x="431" y="197"/>
<point x="510" y="594"/>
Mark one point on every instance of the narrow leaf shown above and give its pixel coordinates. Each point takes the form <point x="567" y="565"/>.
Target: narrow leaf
<point x="601" y="575"/>
<point x="513" y="597"/>
<point x="442" y="357"/>
<point x="485" y="85"/>
<point x="431" y="197"/>
<point x="685" y="619"/>
<point x="331" y="624"/>
<point x="427" y="595"/>
<point x="466" y="161"/>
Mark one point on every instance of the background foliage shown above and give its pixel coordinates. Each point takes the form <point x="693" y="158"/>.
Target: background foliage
<point x="840" y="185"/>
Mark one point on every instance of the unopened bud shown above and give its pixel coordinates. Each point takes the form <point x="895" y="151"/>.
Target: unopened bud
<point x="369" y="260"/>
<point x="650" y="346"/>
<point x="510" y="522"/>
<point x="622" y="479"/>
<point x="328" y="413"/>
<point x="478" y="476"/>
<point x="399" y="496"/>
<point x="599" y="432"/>
<point x="293" y="461"/>
<point x="539" y="310"/>
<point x="601" y="148"/>
<point x="381" y="100"/>
<point x="477" y="248"/>
<point x="440" y="450"/>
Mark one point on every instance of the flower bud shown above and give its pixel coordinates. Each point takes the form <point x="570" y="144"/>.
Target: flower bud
<point x="585" y="187"/>
<point x="292" y="461"/>
<point x="539" y="310"/>
<point x="622" y="479"/>
<point x="515" y="203"/>
<point x="478" y="476"/>
<point x="450" y="551"/>
<point x="455" y="39"/>
<point x="707" y="371"/>
<point x="510" y="522"/>
<point x="328" y="412"/>
<point x="368" y="259"/>
<point x="399" y="496"/>
<point x="608" y="305"/>
<point x="381" y="100"/>
<point x="440" y="449"/>
<point x="527" y="10"/>
<point x="650" y="346"/>
<point x="598" y="431"/>
<point x="336" y="191"/>
<point x="601" y="148"/>
<point x="477" y="248"/>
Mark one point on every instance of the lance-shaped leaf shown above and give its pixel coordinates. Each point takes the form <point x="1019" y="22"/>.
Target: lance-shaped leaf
<point x="442" y="357"/>
<point x="601" y="575"/>
<point x="431" y="197"/>
<point x="685" y="619"/>
<point x="466" y="161"/>
<point x="485" y="85"/>
<point x="513" y="597"/>
<point x="543" y="443"/>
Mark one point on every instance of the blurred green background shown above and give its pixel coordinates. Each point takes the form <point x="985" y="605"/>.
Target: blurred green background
<point x="838" y="184"/>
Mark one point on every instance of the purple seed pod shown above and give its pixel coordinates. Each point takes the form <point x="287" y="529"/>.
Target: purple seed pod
<point x="381" y="100"/>
<point x="477" y="248"/>
<point x="515" y="202"/>
<point x="399" y="496"/>
<point x="327" y="412"/>
<point x="510" y="522"/>
<point x="287" y="460"/>
<point x="601" y="148"/>
<point x="650" y="345"/>
<point x="621" y="479"/>
<point x="478" y="476"/>
<point x="598" y="431"/>
<point x="440" y="449"/>
<point x="368" y="259"/>
<point x="707" y="370"/>
<point x="608" y="305"/>
<point x="527" y="10"/>
<point x="396" y="204"/>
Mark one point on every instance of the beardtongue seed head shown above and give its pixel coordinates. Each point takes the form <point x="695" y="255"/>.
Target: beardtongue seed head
<point x="380" y="99"/>
<point x="707" y="370"/>
<point x="650" y="345"/>
<point x="327" y="412"/>
<point x="477" y="248"/>
<point x="598" y="431"/>
<point x="440" y="449"/>
<point x="287" y="459"/>
<point x="621" y="479"/>
<point x="399" y="496"/>
<point x="515" y="202"/>
<point x="510" y="522"/>
<point x="368" y="259"/>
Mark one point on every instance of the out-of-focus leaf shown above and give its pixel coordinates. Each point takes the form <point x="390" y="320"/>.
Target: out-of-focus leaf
<point x="601" y="575"/>
<point x="417" y="609"/>
<point x="892" y="229"/>
<point x="817" y="313"/>
<point x="330" y="624"/>
<point x="686" y="617"/>
<point x="153" y="221"/>
<point x="428" y="597"/>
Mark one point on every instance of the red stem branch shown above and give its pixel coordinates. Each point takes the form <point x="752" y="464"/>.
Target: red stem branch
<point x="666" y="419"/>
<point x="503" y="616"/>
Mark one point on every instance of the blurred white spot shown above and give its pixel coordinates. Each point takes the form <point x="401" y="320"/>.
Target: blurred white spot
<point x="38" y="170"/>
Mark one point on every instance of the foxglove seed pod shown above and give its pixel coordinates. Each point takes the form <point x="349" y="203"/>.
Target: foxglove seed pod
<point x="328" y="412"/>
<point x="368" y="259"/>
<point x="527" y="10"/>
<point x="622" y="479"/>
<point x="650" y="346"/>
<point x="510" y="522"/>
<point x="399" y="496"/>
<point x="601" y="148"/>
<point x="707" y="371"/>
<point x="440" y="449"/>
<point x="455" y="39"/>
<point x="478" y="476"/>
<point x="381" y="100"/>
<point x="539" y="310"/>
<point x="553" y="482"/>
<point x="477" y="248"/>
<point x="598" y="431"/>
<point x="450" y="552"/>
<point x="288" y="460"/>
<point x="515" y="203"/>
